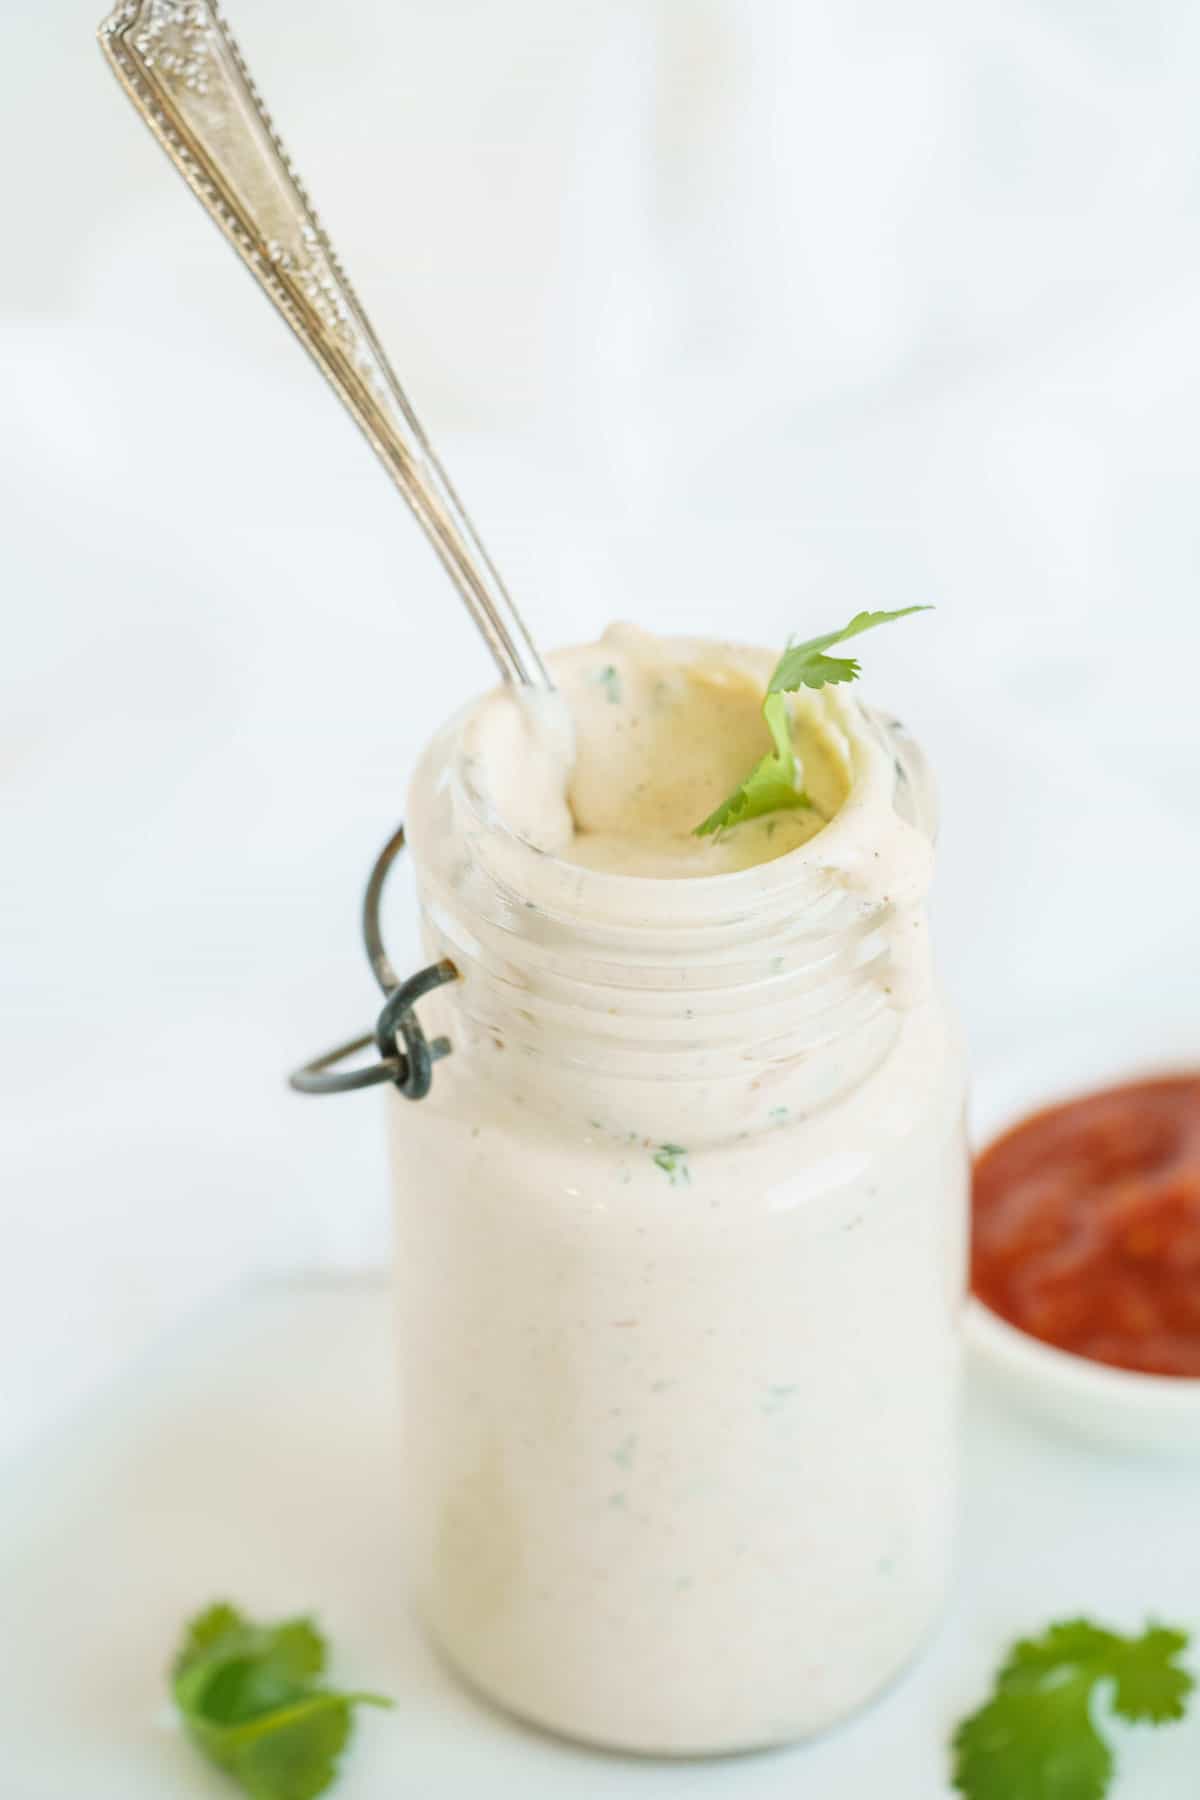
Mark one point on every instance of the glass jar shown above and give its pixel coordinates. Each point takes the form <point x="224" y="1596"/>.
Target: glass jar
<point x="680" y="1256"/>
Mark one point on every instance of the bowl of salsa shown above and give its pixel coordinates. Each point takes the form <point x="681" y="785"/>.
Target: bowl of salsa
<point x="1085" y="1259"/>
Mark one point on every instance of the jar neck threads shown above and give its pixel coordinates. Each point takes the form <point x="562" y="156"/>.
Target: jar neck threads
<point x="680" y="1010"/>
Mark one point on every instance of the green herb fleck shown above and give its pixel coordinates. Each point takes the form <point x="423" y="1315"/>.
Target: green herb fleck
<point x="672" y="1160"/>
<point x="1035" y="1739"/>
<point x="610" y="681"/>
<point x="771" y="784"/>
<point x="777" y="1394"/>
<point x="624" y="1453"/>
<point x="251" y="1700"/>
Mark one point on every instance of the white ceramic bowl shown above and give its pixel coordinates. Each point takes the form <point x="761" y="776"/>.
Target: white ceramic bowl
<point x="1114" y="1406"/>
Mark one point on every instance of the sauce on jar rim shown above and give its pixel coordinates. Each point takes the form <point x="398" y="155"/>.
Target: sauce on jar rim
<point x="1087" y="1226"/>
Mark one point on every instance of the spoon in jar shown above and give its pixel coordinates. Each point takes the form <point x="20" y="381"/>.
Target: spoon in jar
<point x="184" y="73"/>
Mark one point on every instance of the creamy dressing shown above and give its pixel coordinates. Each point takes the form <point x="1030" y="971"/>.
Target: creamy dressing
<point x="680" y="1226"/>
<point x="645" y="737"/>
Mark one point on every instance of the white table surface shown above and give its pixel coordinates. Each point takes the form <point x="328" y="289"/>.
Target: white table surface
<point x="253" y="1458"/>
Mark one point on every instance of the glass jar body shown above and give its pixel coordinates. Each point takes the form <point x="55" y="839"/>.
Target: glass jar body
<point x="680" y="1397"/>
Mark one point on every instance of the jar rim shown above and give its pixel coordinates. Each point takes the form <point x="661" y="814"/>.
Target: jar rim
<point x="840" y="854"/>
<point x="680" y="989"/>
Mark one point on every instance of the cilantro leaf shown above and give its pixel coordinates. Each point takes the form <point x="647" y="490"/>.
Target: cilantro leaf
<point x="1149" y="1686"/>
<point x="1039" y="1746"/>
<point x="1036" y="1738"/>
<point x="249" y="1699"/>
<point x="205" y="1630"/>
<point x="803" y="665"/>
<point x="780" y="727"/>
<point x="771" y="785"/>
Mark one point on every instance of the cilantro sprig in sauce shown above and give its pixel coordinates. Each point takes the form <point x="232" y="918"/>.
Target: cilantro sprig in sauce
<point x="771" y="785"/>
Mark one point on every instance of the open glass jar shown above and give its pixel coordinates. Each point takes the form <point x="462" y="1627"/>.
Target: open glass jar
<point x="680" y="1257"/>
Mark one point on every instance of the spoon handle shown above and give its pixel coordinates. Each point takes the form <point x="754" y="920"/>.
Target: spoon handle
<point x="184" y="73"/>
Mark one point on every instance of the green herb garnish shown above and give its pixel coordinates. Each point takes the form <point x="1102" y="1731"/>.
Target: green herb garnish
<point x="250" y="1699"/>
<point x="1035" y="1738"/>
<point x="771" y="784"/>
<point x="672" y="1160"/>
<point x="610" y="681"/>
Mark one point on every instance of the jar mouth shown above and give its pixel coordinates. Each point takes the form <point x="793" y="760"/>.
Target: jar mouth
<point x="680" y="1002"/>
<point x="869" y="845"/>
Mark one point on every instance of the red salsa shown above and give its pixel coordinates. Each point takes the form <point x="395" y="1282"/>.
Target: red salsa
<point x="1087" y="1226"/>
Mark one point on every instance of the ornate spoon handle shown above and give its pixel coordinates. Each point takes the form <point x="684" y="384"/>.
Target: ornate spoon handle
<point x="181" y="68"/>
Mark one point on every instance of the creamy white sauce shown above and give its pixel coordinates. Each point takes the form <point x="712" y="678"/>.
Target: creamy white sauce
<point x="680" y="1225"/>
<point x="644" y="737"/>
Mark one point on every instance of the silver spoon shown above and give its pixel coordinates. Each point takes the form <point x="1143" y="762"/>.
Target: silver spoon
<point x="181" y="68"/>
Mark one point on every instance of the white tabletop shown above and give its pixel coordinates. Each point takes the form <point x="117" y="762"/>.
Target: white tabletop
<point x="254" y="1460"/>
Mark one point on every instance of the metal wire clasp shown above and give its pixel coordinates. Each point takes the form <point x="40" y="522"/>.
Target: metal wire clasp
<point x="410" y="1068"/>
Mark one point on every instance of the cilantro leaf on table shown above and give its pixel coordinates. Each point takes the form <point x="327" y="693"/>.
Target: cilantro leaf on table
<point x="1036" y="1738"/>
<point x="771" y="784"/>
<point x="250" y="1700"/>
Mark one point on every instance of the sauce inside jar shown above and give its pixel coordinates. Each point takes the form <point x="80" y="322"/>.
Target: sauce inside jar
<point x="1087" y="1226"/>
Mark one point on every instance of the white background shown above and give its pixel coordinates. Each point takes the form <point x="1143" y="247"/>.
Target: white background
<point x="733" y="317"/>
